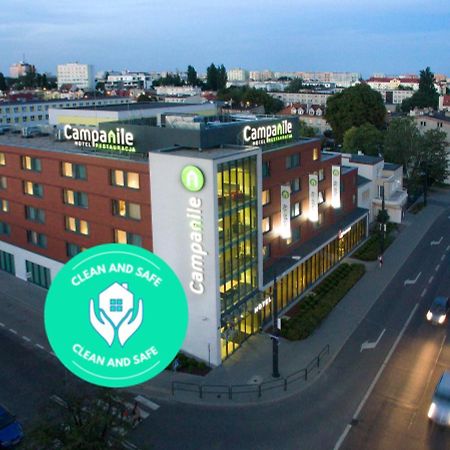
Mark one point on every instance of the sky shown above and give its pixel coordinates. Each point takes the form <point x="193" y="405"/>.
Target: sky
<point x="366" y="36"/>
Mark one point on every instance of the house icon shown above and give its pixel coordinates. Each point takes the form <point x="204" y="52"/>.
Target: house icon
<point x="116" y="301"/>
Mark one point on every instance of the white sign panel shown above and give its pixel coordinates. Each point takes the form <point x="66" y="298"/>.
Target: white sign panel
<point x="285" y="226"/>
<point x="313" y="198"/>
<point x="336" y="186"/>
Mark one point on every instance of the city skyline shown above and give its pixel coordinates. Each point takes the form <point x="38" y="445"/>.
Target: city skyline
<point x="306" y="36"/>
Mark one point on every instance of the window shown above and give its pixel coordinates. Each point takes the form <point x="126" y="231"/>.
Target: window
<point x="30" y="163"/>
<point x="73" y="249"/>
<point x="266" y="224"/>
<point x="75" y="198"/>
<point x="265" y="197"/>
<point x="77" y="171"/>
<point x="266" y="169"/>
<point x="4" y="205"/>
<point x="37" y="239"/>
<point x="3" y="183"/>
<point x="115" y="305"/>
<point x="321" y="175"/>
<point x="5" y="229"/>
<point x="125" y="179"/>
<point x="315" y="154"/>
<point x="321" y="198"/>
<point x="124" y="237"/>
<point x="77" y="225"/>
<point x="266" y="251"/>
<point x="2" y="159"/>
<point x="34" y="214"/>
<point x="126" y="209"/>
<point x="296" y="209"/>
<point x="295" y="185"/>
<point x="293" y="161"/>
<point x="34" y="189"/>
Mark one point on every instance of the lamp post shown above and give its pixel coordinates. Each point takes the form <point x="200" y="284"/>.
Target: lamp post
<point x="383" y="220"/>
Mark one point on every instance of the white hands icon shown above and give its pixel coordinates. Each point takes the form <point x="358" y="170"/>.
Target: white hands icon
<point x="128" y="327"/>
<point x="103" y="326"/>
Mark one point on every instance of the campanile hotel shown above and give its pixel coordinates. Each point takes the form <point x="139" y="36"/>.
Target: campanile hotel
<point x="230" y="203"/>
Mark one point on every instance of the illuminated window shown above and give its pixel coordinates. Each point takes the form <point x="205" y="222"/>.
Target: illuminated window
<point x="34" y="189"/>
<point x="124" y="237"/>
<point x="125" y="179"/>
<point x="77" y="171"/>
<point x="3" y="183"/>
<point x="37" y="239"/>
<point x="5" y="229"/>
<point x="315" y="154"/>
<point x="77" y="225"/>
<point x="266" y="224"/>
<point x="295" y="185"/>
<point x="2" y="159"/>
<point x="35" y="214"/>
<point x="265" y="197"/>
<point x="126" y="209"/>
<point x="293" y="161"/>
<point x="75" y="198"/>
<point x="4" y="205"/>
<point x="295" y="209"/>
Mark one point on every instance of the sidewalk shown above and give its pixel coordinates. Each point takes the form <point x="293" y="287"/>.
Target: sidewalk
<point x="252" y="364"/>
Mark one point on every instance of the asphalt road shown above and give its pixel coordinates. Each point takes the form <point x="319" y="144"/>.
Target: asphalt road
<point x="317" y="417"/>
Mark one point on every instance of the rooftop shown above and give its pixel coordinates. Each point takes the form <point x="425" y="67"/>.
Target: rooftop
<point x="211" y="153"/>
<point x="362" y="180"/>
<point x="60" y="100"/>
<point x="365" y="159"/>
<point x="391" y="166"/>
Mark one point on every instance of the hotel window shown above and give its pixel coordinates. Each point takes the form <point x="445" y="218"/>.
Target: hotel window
<point x="125" y="179"/>
<point x="34" y="189"/>
<point x="265" y="197"/>
<point x="2" y="159"/>
<point x="293" y="161"/>
<point x="35" y="214"/>
<point x="75" y="198"/>
<point x="73" y="249"/>
<point x="36" y="238"/>
<point x="315" y="154"/>
<point x="266" y="224"/>
<point x="5" y="229"/>
<point x="295" y="185"/>
<point x="124" y="237"/>
<point x="3" y="183"/>
<point x="77" y="225"/>
<point x="4" y="205"/>
<point x="321" y="198"/>
<point x="296" y="209"/>
<point x="266" y="251"/>
<point x="266" y="169"/>
<point x="77" y="171"/>
<point x="126" y="209"/>
<point x="30" y="163"/>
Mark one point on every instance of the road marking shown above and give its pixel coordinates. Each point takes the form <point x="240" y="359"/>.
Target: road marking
<point x="26" y="338"/>
<point x="442" y="257"/>
<point x="437" y="242"/>
<point x="146" y="402"/>
<point x="423" y="293"/>
<point x="129" y="445"/>
<point x="431" y="279"/>
<point x="59" y="401"/>
<point x="2" y="324"/>
<point x="437" y="267"/>
<point x="51" y="353"/>
<point x="39" y="346"/>
<point x="448" y="248"/>
<point x="412" y="281"/>
<point x="377" y="377"/>
<point x="12" y="330"/>
<point x="371" y="345"/>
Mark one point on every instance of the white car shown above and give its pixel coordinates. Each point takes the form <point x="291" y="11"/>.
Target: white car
<point x="438" y="310"/>
<point x="439" y="411"/>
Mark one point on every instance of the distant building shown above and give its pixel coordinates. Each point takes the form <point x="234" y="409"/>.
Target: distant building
<point x="129" y="80"/>
<point x="264" y="75"/>
<point x="310" y="97"/>
<point x="80" y="75"/>
<point x="312" y="115"/>
<point x="20" y="69"/>
<point x="444" y="103"/>
<point x="180" y="91"/>
<point x="342" y="79"/>
<point x="392" y="83"/>
<point x="237" y="75"/>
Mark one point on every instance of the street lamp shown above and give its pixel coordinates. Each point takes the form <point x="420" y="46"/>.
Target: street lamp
<point x="276" y="331"/>
<point x="424" y="174"/>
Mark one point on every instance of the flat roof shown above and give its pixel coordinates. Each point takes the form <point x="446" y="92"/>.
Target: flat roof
<point x="210" y="153"/>
<point x="347" y="169"/>
<point x="366" y="159"/>
<point x="33" y="102"/>
<point x="362" y="180"/>
<point x="391" y="166"/>
<point x="136" y="106"/>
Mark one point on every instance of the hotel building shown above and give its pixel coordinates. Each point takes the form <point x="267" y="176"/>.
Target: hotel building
<point x="227" y="203"/>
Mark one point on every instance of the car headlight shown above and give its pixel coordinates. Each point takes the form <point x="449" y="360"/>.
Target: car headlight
<point x="441" y="318"/>
<point x="429" y="315"/>
<point x="431" y="410"/>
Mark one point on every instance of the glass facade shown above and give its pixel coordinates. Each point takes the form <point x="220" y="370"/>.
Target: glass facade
<point x="257" y="310"/>
<point x="238" y="243"/>
<point x="38" y="274"/>
<point x="7" y="262"/>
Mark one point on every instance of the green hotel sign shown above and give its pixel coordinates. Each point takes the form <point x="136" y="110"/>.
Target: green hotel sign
<point x="113" y="140"/>
<point x="192" y="178"/>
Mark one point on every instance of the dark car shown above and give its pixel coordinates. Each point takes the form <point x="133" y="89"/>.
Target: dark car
<point x="439" y="411"/>
<point x="438" y="310"/>
<point x="11" y="432"/>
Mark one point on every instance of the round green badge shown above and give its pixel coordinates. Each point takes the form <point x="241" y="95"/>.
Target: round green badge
<point x="116" y="315"/>
<point x="192" y="178"/>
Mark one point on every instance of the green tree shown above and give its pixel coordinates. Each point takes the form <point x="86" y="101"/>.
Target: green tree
<point x="221" y="77"/>
<point x="251" y="97"/>
<point x="143" y="98"/>
<point x="434" y="154"/>
<point x="426" y="96"/>
<point x="211" y="77"/>
<point x="294" y="86"/>
<point x="355" y="106"/>
<point x="3" y="86"/>
<point x="365" y="138"/>
<point x="306" y="130"/>
<point x="169" y="80"/>
<point x="192" y="78"/>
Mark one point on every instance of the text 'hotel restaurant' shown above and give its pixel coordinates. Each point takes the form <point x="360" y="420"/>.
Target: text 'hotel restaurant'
<point x="225" y="201"/>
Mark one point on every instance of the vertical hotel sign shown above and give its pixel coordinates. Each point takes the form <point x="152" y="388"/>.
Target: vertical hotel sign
<point x="313" y="198"/>
<point x="336" y="186"/>
<point x="285" y="227"/>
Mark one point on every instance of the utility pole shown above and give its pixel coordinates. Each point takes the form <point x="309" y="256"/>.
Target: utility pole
<point x="383" y="218"/>
<point x="276" y="331"/>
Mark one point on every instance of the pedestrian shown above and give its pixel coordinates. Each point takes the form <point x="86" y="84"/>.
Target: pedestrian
<point x="380" y="261"/>
<point x="136" y="414"/>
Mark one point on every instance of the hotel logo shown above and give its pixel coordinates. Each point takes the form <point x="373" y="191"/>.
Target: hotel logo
<point x="192" y="178"/>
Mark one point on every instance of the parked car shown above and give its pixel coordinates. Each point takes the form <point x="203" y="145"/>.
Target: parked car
<point x="439" y="411"/>
<point x="11" y="431"/>
<point x="438" y="310"/>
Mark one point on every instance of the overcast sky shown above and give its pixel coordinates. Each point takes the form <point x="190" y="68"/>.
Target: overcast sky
<point x="389" y="36"/>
